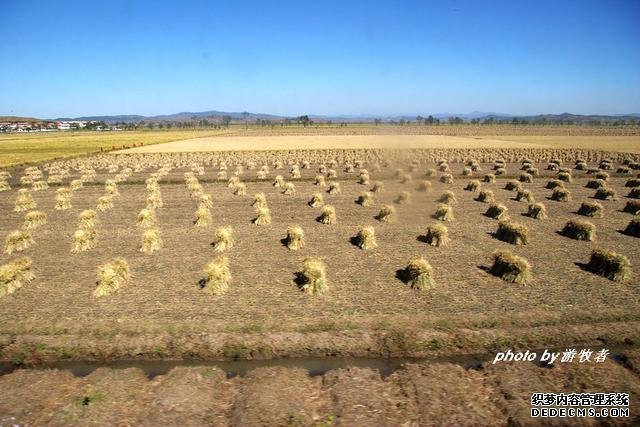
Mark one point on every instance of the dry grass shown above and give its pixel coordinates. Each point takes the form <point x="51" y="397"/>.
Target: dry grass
<point x="76" y="184"/>
<point x="387" y="213"/>
<point x="313" y="277"/>
<point x="565" y="176"/>
<point x="259" y="201"/>
<point x="110" y="187"/>
<point x="88" y="218"/>
<point x="111" y="277"/>
<point x="444" y="212"/>
<point x="334" y="188"/>
<point x="446" y="178"/>
<point x="511" y="268"/>
<point x="217" y="276"/>
<point x="604" y="141"/>
<point x="14" y="275"/>
<point x="591" y="209"/>
<point x="204" y="201"/>
<point x="554" y="184"/>
<point x="83" y="240"/>
<point x="485" y="196"/>
<point x="34" y="219"/>
<point x="365" y="199"/>
<point x="497" y="211"/>
<point x="579" y="230"/>
<point x="437" y="235"/>
<point x="473" y="185"/>
<point x="537" y="211"/>
<point x="203" y="217"/>
<point x="595" y="183"/>
<point x="289" y="189"/>
<point x="223" y="239"/>
<point x="526" y="177"/>
<point x="378" y="186"/>
<point x="328" y="215"/>
<point x="316" y="200"/>
<point x="295" y="238"/>
<point x="366" y="238"/>
<point x="525" y="195"/>
<point x="151" y="241"/>
<point x="448" y="197"/>
<point x="512" y="232"/>
<point x="561" y="195"/>
<point x="63" y="199"/>
<point x="18" y="241"/>
<point x="605" y="193"/>
<point x="364" y="178"/>
<point x="263" y="216"/>
<point x="40" y="185"/>
<point x="610" y="264"/>
<point x="105" y="203"/>
<point x="24" y="201"/>
<point x="146" y="218"/>
<point x="513" y="185"/>
<point x="419" y="274"/>
<point x="154" y="200"/>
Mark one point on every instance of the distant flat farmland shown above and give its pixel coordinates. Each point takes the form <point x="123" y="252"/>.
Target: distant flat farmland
<point x="250" y="143"/>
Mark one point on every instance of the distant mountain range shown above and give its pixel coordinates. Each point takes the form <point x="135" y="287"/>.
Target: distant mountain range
<point x="214" y="115"/>
<point x="412" y="117"/>
<point x="177" y="117"/>
<point x="479" y="115"/>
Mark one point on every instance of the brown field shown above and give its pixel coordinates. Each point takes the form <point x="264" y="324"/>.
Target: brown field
<point x="494" y="395"/>
<point x="364" y="291"/>
<point x="327" y="142"/>
<point x="630" y="144"/>
<point x="319" y="142"/>
<point x="161" y="312"/>
<point x="19" y="149"/>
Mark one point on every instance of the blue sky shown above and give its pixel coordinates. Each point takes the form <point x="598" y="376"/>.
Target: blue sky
<point x="65" y="58"/>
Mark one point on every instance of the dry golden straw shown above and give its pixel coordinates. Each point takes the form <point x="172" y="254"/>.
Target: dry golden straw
<point x="217" y="276"/>
<point x="313" y="276"/>
<point x="111" y="277"/>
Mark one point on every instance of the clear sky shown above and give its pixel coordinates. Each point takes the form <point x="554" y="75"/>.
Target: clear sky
<point x="67" y="58"/>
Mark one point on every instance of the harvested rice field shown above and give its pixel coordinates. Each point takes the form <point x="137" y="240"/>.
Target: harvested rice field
<point x="429" y="253"/>
<point x="326" y="142"/>
<point x="233" y="142"/>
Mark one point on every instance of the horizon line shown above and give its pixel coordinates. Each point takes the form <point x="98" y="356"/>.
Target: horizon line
<point x="327" y="115"/>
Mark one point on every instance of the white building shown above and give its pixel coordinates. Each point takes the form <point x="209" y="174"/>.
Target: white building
<point x="71" y="124"/>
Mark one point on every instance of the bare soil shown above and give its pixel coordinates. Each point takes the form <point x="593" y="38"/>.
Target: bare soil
<point x="417" y="394"/>
<point x="251" y="143"/>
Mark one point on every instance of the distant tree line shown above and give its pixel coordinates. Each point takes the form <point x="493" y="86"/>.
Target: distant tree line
<point x="225" y="121"/>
